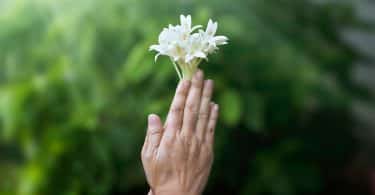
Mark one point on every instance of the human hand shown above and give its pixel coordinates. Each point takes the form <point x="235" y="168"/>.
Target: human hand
<point x="177" y="158"/>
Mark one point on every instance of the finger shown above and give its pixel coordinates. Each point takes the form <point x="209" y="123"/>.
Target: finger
<point x="204" y="110"/>
<point x="174" y="119"/>
<point x="145" y="143"/>
<point x="192" y="105"/>
<point x="154" y="131"/>
<point x="210" y="132"/>
<point x="178" y="102"/>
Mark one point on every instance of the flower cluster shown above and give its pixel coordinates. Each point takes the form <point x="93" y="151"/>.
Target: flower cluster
<point x="186" y="47"/>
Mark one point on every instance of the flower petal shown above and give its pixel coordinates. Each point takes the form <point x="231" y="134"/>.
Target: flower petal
<point x="211" y="28"/>
<point x="185" y="22"/>
<point x="221" y="40"/>
<point x="183" y="45"/>
<point x="200" y="54"/>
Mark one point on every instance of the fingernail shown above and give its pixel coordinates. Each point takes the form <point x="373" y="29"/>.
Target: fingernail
<point x="152" y="119"/>
<point x="216" y="107"/>
<point x="199" y="74"/>
<point x="209" y="83"/>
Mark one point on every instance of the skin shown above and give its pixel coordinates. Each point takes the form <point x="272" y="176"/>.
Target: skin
<point x="177" y="157"/>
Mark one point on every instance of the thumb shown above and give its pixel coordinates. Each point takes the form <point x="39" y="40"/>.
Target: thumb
<point x="154" y="130"/>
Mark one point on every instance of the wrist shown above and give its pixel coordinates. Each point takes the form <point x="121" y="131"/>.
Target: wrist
<point x="172" y="192"/>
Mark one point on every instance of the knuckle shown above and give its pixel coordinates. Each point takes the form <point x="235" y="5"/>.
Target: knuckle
<point x="182" y="93"/>
<point x="185" y="138"/>
<point x="207" y="95"/>
<point x="213" y="119"/>
<point x="171" y="127"/>
<point x="198" y="146"/>
<point x="203" y="115"/>
<point x="186" y="142"/>
<point x="192" y="120"/>
<point x="155" y="131"/>
<point x="191" y="107"/>
<point x="199" y="140"/>
<point x="146" y="156"/>
<point x="168" y="139"/>
<point x="177" y="110"/>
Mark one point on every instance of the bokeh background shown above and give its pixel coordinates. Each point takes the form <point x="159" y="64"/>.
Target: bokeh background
<point x="295" y="84"/>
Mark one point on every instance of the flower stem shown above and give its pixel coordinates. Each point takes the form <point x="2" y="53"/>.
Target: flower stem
<point x="184" y="70"/>
<point x="177" y="70"/>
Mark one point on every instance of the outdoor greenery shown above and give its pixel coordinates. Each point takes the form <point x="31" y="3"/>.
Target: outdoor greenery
<point x="77" y="82"/>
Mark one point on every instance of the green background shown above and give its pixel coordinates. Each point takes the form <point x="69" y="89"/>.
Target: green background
<point x="77" y="82"/>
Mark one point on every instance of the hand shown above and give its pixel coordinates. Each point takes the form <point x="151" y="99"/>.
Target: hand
<point x="177" y="159"/>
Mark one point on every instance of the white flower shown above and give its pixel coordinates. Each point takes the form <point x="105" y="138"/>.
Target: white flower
<point x="187" y="48"/>
<point x="213" y="41"/>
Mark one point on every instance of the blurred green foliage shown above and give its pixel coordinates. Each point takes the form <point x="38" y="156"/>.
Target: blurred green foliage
<point x="77" y="82"/>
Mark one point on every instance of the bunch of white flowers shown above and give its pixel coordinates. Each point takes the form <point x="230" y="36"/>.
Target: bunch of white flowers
<point x="187" y="48"/>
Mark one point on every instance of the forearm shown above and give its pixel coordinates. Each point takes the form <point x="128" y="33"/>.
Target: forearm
<point x="170" y="192"/>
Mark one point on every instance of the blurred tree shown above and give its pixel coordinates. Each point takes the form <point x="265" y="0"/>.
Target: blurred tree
<point x="77" y="82"/>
